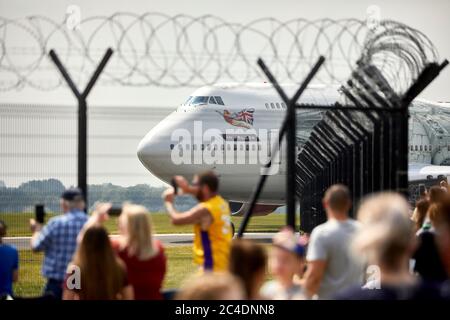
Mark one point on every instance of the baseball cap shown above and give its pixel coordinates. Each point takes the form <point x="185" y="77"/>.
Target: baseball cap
<point x="72" y="194"/>
<point x="287" y="240"/>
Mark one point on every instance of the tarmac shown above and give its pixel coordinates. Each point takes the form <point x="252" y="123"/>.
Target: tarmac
<point x="170" y="239"/>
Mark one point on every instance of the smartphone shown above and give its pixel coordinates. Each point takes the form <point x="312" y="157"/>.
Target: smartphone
<point x="39" y="213"/>
<point x="422" y="190"/>
<point x="174" y="185"/>
<point x="115" y="211"/>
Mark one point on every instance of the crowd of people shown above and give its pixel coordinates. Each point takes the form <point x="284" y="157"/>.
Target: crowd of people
<point x="388" y="252"/>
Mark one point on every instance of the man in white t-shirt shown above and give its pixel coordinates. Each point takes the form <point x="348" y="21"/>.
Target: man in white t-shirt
<point x="330" y="266"/>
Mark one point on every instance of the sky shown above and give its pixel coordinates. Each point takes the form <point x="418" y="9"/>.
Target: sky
<point x="430" y="17"/>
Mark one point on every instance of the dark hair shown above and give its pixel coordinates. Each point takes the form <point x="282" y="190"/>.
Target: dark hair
<point x="246" y="259"/>
<point x="442" y="218"/>
<point x="436" y="194"/>
<point x="103" y="275"/>
<point x="209" y="178"/>
<point x="421" y="208"/>
<point x="3" y="228"/>
<point x="338" y="197"/>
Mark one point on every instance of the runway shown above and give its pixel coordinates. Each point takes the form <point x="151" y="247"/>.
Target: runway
<point x="171" y="239"/>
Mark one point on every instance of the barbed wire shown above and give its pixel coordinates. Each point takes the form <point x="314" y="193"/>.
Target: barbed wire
<point x="177" y="51"/>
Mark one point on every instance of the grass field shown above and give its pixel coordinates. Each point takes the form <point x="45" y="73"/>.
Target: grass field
<point x="180" y="264"/>
<point x="18" y="223"/>
<point x="31" y="282"/>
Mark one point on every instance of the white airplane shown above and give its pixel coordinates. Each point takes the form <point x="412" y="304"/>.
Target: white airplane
<point x="229" y="129"/>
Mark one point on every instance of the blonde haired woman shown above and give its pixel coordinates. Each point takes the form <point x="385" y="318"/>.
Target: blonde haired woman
<point x="143" y="255"/>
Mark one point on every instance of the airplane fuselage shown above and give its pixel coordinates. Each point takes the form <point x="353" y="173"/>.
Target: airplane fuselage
<point x="230" y="129"/>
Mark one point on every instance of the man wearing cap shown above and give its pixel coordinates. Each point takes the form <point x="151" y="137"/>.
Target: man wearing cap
<point x="285" y="262"/>
<point x="58" y="239"/>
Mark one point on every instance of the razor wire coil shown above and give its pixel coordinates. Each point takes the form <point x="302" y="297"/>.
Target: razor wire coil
<point x="154" y="49"/>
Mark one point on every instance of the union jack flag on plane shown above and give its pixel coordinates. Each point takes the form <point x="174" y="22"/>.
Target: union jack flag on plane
<point x="243" y="118"/>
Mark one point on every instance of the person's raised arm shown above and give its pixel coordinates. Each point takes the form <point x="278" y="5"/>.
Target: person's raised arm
<point x="99" y="215"/>
<point x="184" y="185"/>
<point x="194" y="215"/>
<point x="35" y="228"/>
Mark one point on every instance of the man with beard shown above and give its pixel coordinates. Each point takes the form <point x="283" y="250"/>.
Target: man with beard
<point x="211" y="219"/>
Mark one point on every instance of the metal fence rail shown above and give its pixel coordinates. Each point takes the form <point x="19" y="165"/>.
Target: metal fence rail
<point x="363" y="145"/>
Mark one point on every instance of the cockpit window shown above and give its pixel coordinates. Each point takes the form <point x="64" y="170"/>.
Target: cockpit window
<point x="212" y="100"/>
<point x="198" y="100"/>
<point x="219" y="100"/>
<point x="186" y="103"/>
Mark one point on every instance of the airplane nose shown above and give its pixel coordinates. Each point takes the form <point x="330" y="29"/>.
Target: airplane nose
<point x="154" y="151"/>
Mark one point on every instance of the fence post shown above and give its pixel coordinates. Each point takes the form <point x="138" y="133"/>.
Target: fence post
<point x="82" y="114"/>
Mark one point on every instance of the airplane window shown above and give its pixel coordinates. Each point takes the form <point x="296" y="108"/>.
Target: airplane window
<point x="235" y="147"/>
<point x="247" y="147"/>
<point x="272" y="105"/>
<point x="187" y="101"/>
<point x="412" y="148"/>
<point x="420" y="148"/>
<point x="203" y="147"/>
<point x="198" y="100"/>
<point x="171" y="146"/>
<point x="212" y="100"/>
<point x="283" y="105"/>
<point x="267" y="106"/>
<point x="416" y="147"/>
<point x="219" y="100"/>
<point x="194" y="147"/>
<point x="278" y="105"/>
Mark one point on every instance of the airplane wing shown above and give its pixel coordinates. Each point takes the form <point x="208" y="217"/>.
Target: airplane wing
<point x="423" y="171"/>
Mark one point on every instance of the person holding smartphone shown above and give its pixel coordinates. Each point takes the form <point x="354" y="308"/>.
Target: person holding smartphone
<point x="211" y="219"/>
<point x="58" y="239"/>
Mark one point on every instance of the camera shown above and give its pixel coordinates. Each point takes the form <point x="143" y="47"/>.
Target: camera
<point x="174" y="185"/>
<point x="115" y="211"/>
<point x="39" y="213"/>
